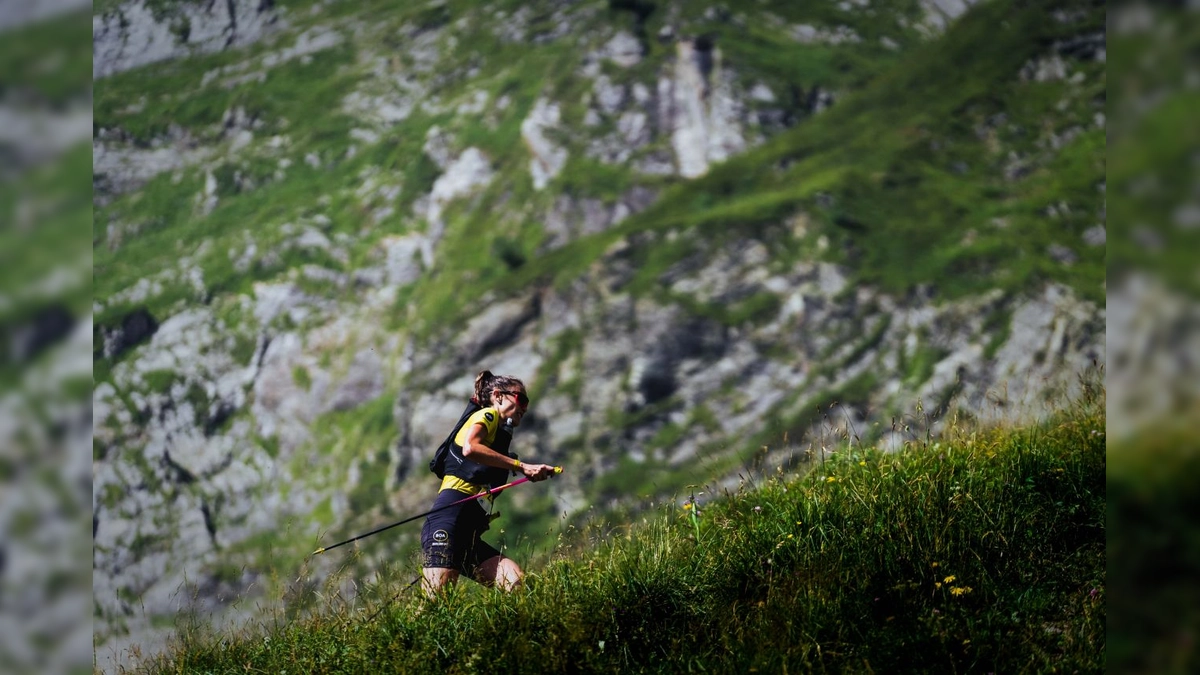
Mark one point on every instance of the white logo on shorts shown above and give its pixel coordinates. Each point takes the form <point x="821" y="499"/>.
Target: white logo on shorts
<point x="441" y="536"/>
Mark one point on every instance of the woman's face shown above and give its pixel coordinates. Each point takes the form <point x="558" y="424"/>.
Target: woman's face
<point x="511" y="403"/>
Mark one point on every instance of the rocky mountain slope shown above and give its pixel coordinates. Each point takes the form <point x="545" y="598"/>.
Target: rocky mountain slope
<point x="713" y="240"/>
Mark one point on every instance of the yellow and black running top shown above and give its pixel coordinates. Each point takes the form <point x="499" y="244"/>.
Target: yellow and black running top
<point x="489" y="418"/>
<point x="471" y="477"/>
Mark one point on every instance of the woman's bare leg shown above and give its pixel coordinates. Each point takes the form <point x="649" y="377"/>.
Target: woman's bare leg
<point x="499" y="571"/>
<point x="434" y="579"/>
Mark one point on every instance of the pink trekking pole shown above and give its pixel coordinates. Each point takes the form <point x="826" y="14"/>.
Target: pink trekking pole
<point x="485" y="493"/>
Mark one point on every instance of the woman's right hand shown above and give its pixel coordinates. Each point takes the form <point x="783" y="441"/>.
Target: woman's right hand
<point x="537" y="472"/>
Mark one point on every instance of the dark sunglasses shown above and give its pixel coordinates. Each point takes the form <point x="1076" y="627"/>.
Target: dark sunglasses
<point x="522" y="397"/>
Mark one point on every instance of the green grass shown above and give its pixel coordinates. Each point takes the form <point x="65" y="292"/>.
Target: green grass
<point x="982" y="552"/>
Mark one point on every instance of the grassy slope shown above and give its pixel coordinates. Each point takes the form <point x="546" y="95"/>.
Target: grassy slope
<point x="982" y="553"/>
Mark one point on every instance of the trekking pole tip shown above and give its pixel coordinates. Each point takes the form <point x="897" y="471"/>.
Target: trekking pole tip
<point x="320" y="550"/>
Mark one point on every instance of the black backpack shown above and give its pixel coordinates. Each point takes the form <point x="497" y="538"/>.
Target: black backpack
<point x="438" y="464"/>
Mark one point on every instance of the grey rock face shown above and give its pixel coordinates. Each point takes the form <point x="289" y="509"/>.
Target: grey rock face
<point x="705" y="122"/>
<point x="136" y="35"/>
<point x="1055" y="337"/>
<point x="548" y="159"/>
<point x="939" y="14"/>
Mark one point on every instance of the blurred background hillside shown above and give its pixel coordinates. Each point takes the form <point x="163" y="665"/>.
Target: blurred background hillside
<point x="1154" y="343"/>
<point x="45" y="324"/>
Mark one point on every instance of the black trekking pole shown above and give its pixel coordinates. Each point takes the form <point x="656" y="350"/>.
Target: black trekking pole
<point x="485" y="493"/>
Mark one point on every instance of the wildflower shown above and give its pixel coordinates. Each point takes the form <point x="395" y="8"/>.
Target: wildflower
<point x="687" y="506"/>
<point x="960" y="590"/>
<point x="791" y="536"/>
<point x="937" y="584"/>
<point x="863" y="463"/>
<point x="934" y="564"/>
<point x="831" y="479"/>
<point x="949" y="579"/>
<point x="758" y="509"/>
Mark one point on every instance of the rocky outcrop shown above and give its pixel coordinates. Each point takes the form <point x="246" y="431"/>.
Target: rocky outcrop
<point x="139" y="32"/>
<point x="466" y="174"/>
<point x="548" y="159"/>
<point x="939" y="14"/>
<point x="1054" y="340"/>
<point x="703" y="112"/>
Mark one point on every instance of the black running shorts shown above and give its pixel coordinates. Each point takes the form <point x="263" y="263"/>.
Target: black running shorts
<point x="450" y="538"/>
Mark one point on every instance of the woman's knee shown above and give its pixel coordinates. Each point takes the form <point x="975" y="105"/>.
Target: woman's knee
<point x="434" y="579"/>
<point x="501" y="572"/>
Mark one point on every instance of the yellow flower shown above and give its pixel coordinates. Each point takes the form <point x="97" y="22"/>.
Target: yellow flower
<point x="830" y="479"/>
<point x="791" y="536"/>
<point x="963" y="590"/>
<point x="949" y="579"/>
<point x="862" y="463"/>
<point x="935" y="564"/>
<point x="937" y="584"/>
<point x="687" y="506"/>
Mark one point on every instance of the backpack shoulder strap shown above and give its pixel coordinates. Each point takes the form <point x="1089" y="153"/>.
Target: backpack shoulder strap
<point x="438" y="464"/>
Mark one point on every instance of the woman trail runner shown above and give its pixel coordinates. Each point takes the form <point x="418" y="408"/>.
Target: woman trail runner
<point x="476" y="458"/>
